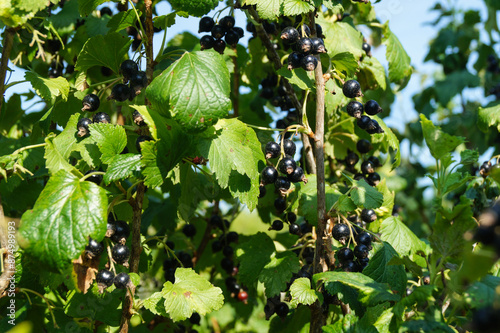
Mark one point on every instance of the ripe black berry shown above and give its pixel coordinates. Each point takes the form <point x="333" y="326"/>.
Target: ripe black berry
<point x="340" y="232"/>
<point x="101" y="117"/>
<point x="227" y="264"/>
<point x="364" y="238"/>
<point x="345" y="254"/>
<point x="251" y="27"/>
<point x="138" y="81"/>
<point x="289" y="147"/>
<point x="185" y="258"/>
<point x="350" y="266"/>
<point x="220" y="46"/>
<point x="294" y="60"/>
<point x="294" y="229"/>
<point x="195" y="319"/>
<point x="375" y="161"/>
<point x="90" y="102"/>
<point x="262" y="191"/>
<point x="287" y="165"/>
<point x="485" y="169"/>
<point x="351" y="159"/>
<point x="138" y="118"/>
<point x="105" y="277"/>
<point x="140" y="139"/>
<point x="282" y="184"/>
<point x="207" y="42"/>
<point x="282" y="310"/>
<point x="318" y="46"/>
<point x="232" y="237"/>
<point x="96" y="179"/>
<point x="267" y="93"/>
<point x="269" y="175"/>
<point x="128" y="68"/>
<point x="363" y="263"/>
<point x="291" y="217"/>
<point x="105" y="11"/>
<point x="367" y="167"/>
<point x="368" y="215"/>
<point x="355" y="109"/>
<point x="269" y="27"/>
<point x="83" y="127"/>
<point x="297" y="175"/>
<point x="363" y="122"/>
<point x="304" y="45"/>
<point x="361" y="251"/>
<point x="95" y="248"/>
<point x="374" y="127"/>
<point x="120" y="253"/>
<point x="352" y="89"/>
<point x="239" y="31"/>
<point x="280" y="204"/>
<point x="189" y="230"/>
<point x="272" y="149"/>
<point x="373" y="179"/>
<point x="218" y="31"/>
<point x="309" y="63"/>
<point x="120" y="92"/>
<point x="304" y="30"/>
<point x="227" y="22"/>
<point x="232" y="38"/>
<point x="277" y="225"/>
<point x="372" y="108"/>
<point x="289" y="35"/>
<point x="122" y="231"/>
<point x="121" y="280"/>
<point x="206" y="24"/>
<point x="363" y="146"/>
<point x="228" y="251"/>
<point x="366" y="47"/>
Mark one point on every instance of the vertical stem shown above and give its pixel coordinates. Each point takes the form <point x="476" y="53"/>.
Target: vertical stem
<point x="149" y="45"/>
<point x="236" y="87"/>
<point x="7" y="48"/>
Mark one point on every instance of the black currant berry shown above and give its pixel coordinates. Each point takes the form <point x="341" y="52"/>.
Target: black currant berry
<point x="216" y="246"/>
<point x="282" y="309"/>
<point x="319" y="31"/>
<point x="232" y="38"/>
<point x="272" y="149"/>
<point x="297" y="175"/>
<point x="372" y="108"/>
<point x="277" y="225"/>
<point x="207" y="42"/>
<point x="185" y="258"/>
<point x="95" y="248"/>
<point x="289" y="147"/>
<point x="309" y="63"/>
<point x="368" y="215"/>
<point x="138" y="118"/>
<point x="355" y="109"/>
<point x="367" y="167"/>
<point x="351" y="159"/>
<point x="267" y="93"/>
<point x="105" y="11"/>
<point x="363" y="146"/>
<point x="195" y="319"/>
<point x="485" y="169"/>
<point x="340" y="232"/>
<point x="287" y="165"/>
<point x="219" y="46"/>
<point x="280" y="204"/>
<point x="189" y="230"/>
<point x="366" y="47"/>
<point x="262" y="191"/>
<point x="83" y="127"/>
<point x="96" y="179"/>
<point x="269" y="175"/>
<point x="138" y="81"/>
<point x="345" y="254"/>
<point x="352" y="89"/>
<point x="90" y="102"/>
<point x="363" y="263"/>
<point x="227" y="251"/>
<point x="304" y="30"/>
<point x="291" y="217"/>
<point x="55" y="72"/>
<point x="363" y="122"/>
<point x="120" y="253"/>
<point x="282" y="184"/>
<point x="227" y="264"/>
<point x="269" y="27"/>
<point x="122" y="231"/>
<point x="218" y="31"/>
<point x="350" y="266"/>
<point x="374" y="127"/>
<point x="251" y="27"/>
<point x="101" y="117"/>
<point x="294" y="60"/>
<point x="227" y="22"/>
<point x="364" y="238"/>
<point x="232" y="237"/>
<point x="318" y="46"/>
<point x="282" y="91"/>
<point x="304" y="45"/>
<point x="121" y="280"/>
<point x="239" y="31"/>
<point x="289" y="35"/>
<point x="128" y="68"/>
<point x="120" y="92"/>
<point x="105" y="277"/>
<point x="375" y="161"/>
<point x="206" y="24"/>
<point x="373" y="179"/>
<point x="361" y="251"/>
<point x="294" y="229"/>
<point x="140" y="139"/>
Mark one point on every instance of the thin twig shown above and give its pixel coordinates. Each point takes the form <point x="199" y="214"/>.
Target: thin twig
<point x="7" y="48"/>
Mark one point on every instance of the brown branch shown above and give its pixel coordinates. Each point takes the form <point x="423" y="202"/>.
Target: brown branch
<point x="149" y="45"/>
<point x="236" y="87"/>
<point x="7" y="48"/>
<point x="207" y="236"/>
<point x="275" y="59"/>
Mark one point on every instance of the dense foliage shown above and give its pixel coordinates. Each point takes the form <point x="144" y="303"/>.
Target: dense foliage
<point x="214" y="187"/>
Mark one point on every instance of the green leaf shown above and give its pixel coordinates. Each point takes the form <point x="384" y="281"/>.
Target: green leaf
<point x="194" y="90"/>
<point x="111" y="140"/>
<point x="468" y="157"/>
<point x="267" y="9"/>
<point x="165" y="21"/>
<point x="308" y="202"/>
<point x="401" y="238"/>
<point x="65" y="214"/>
<point x="155" y="304"/>
<point x="296" y="7"/>
<point x="85" y="7"/>
<point x="439" y="142"/>
<point x="278" y="272"/>
<point x="122" y="20"/>
<point x="122" y="167"/>
<point x="298" y="77"/>
<point x="379" y="270"/>
<point x="364" y="195"/>
<point x="31" y="5"/>
<point x="235" y="157"/>
<point x="400" y="68"/>
<point x="370" y="292"/>
<point x="488" y="117"/>
<point x="372" y="74"/>
<point x="388" y="140"/>
<point x="48" y="89"/>
<point x="482" y="293"/>
<point x="345" y="63"/>
<point x="190" y="293"/>
<point x="59" y="148"/>
<point x="301" y="292"/>
<point x="454" y="83"/>
<point x="345" y="204"/>
<point x="109" y="51"/>
<point x="254" y="255"/>
<point x="341" y="37"/>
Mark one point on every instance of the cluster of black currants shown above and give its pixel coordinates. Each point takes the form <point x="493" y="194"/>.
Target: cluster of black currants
<point x="304" y="47"/>
<point x="275" y="305"/>
<point x="485" y="169"/>
<point x="91" y="103"/>
<point x="488" y="232"/>
<point x="293" y="227"/>
<point x="136" y="79"/>
<point x="368" y="166"/>
<point x="225" y="29"/>
<point x="352" y="89"/>
<point x="354" y="260"/>
<point x="275" y="93"/>
<point x="118" y="231"/>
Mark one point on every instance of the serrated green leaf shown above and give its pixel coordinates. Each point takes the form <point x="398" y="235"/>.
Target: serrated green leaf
<point x="111" y="140"/>
<point x="345" y="204"/>
<point x="298" y="77"/>
<point x="454" y="83"/>
<point x="109" y="51"/>
<point x="379" y="270"/>
<point x="482" y="293"/>
<point x="152" y="167"/>
<point x="439" y="142"/>
<point x="123" y="20"/>
<point x="345" y="62"/>
<point x="301" y="292"/>
<point x="164" y="21"/>
<point x="468" y="157"/>
<point x="235" y="157"/>
<point x="388" y="140"/>
<point x="48" y="89"/>
<point x="400" y="68"/>
<point x="195" y="188"/>
<point x="341" y="37"/>
<point x="88" y="151"/>
<point x="401" y="238"/>
<point x="59" y="148"/>
<point x="85" y="7"/>
<point x="267" y="9"/>
<point x="66" y="213"/>
<point x="190" y="293"/>
<point x="296" y="7"/>
<point x="122" y="167"/>
<point x="254" y="255"/>
<point x="488" y="117"/>
<point x="372" y="74"/>
<point x="370" y="292"/>
<point x="31" y="5"/>
<point x="194" y="90"/>
<point x="366" y="196"/>
<point x="278" y="272"/>
<point x="155" y="304"/>
<point x="308" y="202"/>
